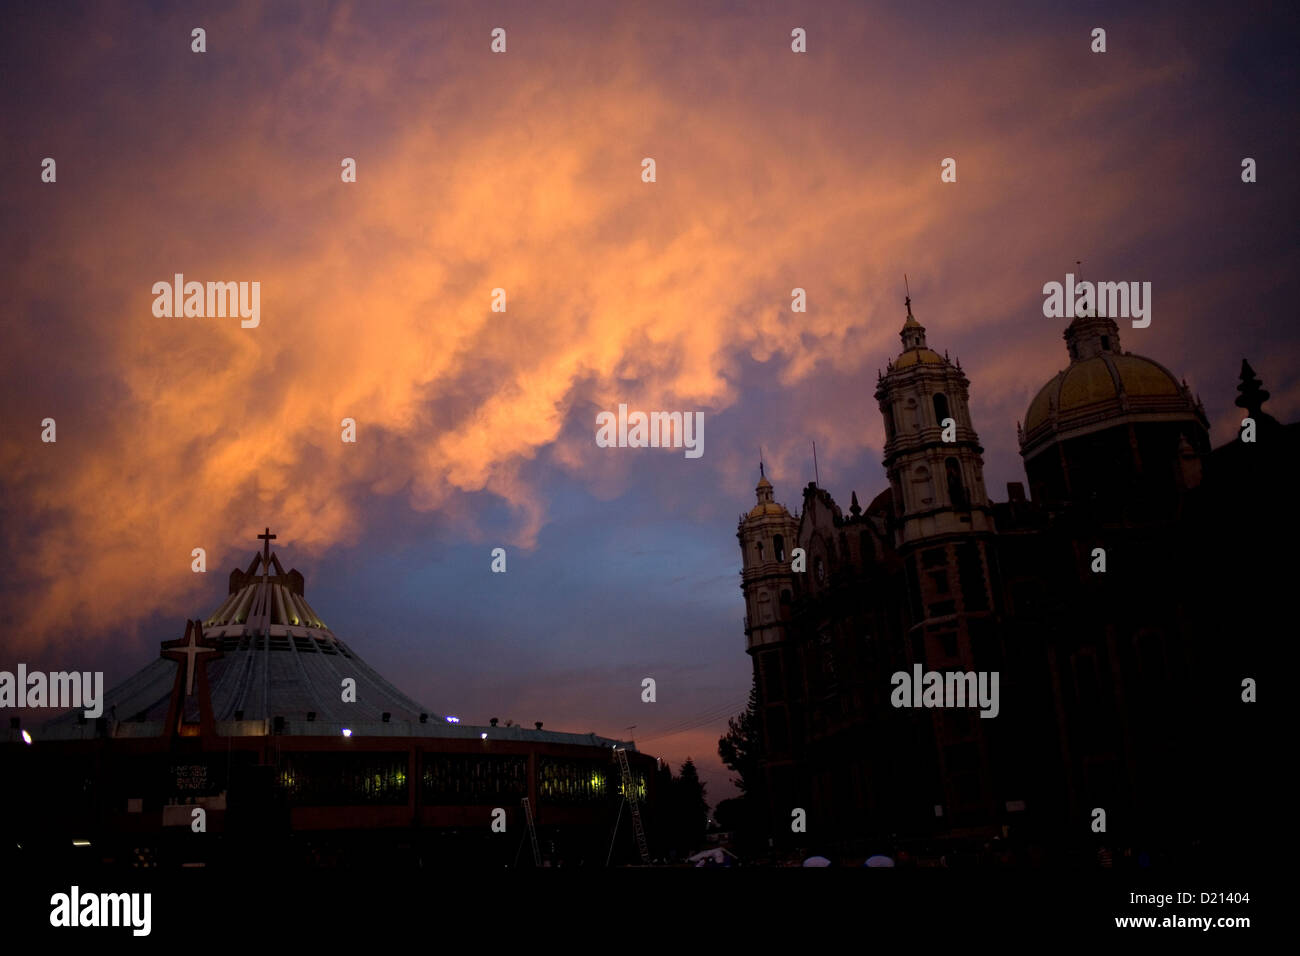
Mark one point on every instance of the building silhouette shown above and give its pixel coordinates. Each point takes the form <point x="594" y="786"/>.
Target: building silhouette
<point x="249" y="718"/>
<point x="1121" y="602"/>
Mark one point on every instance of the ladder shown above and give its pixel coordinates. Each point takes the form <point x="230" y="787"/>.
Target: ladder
<point x="532" y="832"/>
<point x="629" y="794"/>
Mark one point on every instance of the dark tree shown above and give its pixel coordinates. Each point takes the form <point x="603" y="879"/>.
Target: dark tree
<point x="691" y="809"/>
<point x="742" y="748"/>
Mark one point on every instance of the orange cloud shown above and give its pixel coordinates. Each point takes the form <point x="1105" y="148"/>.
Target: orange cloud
<point x="520" y="172"/>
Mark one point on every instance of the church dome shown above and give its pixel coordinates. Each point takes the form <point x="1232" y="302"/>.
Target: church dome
<point x="1103" y="386"/>
<point x="1100" y="379"/>
<point x="763" y="492"/>
<point x="918" y="357"/>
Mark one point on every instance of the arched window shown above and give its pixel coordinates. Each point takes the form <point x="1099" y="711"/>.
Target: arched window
<point x="760" y="550"/>
<point x="778" y="545"/>
<point x="924" y="486"/>
<point x="888" y="412"/>
<point x="940" y="408"/>
<point x="956" y="490"/>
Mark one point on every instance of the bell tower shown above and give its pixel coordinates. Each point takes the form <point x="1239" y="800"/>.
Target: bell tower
<point x="767" y="536"/>
<point x="932" y="454"/>
<point x="943" y="528"/>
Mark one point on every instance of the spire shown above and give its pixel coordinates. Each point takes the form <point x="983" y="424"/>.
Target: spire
<point x="763" y="490"/>
<point x="854" y="508"/>
<point x="912" y="333"/>
<point x="1251" y="395"/>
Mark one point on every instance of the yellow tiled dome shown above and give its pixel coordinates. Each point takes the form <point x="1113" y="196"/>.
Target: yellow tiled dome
<point x="1098" y="379"/>
<point x="914" y="356"/>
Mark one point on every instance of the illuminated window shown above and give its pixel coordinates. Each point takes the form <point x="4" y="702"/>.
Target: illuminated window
<point x="574" y="781"/>
<point x="343" y="780"/>
<point x="473" y="779"/>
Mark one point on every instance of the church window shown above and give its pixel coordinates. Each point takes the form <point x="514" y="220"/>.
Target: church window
<point x="778" y="733"/>
<point x="773" y="689"/>
<point x="573" y="781"/>
<point x="778" y="545"/>
<point x="827" y="655"/>
<point x="914" y="593"/>
<point x="343" y="780"/>
<point x="956" y="490"/>
<point x="760" y="550"/>
<point x="888" y="412"/>
<point x="940" y="408"/>
<point x="924" y="485"/>
<point x="970" y="572"/>
<point x="473" y="779"/>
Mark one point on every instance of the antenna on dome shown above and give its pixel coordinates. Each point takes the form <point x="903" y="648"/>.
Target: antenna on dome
<point x="816" y="474"/>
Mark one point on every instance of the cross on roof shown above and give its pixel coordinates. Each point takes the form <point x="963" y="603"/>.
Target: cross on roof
<point x="266" y="546"/>
<point x="189" y="648"/>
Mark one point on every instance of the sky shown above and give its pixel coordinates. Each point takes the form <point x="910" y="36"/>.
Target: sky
<point x="522" y="171"/>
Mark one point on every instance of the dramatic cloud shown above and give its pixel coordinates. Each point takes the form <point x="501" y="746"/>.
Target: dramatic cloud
<point x="522" y="171"/>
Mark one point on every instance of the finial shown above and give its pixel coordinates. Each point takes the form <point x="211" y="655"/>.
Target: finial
<point x="1251" y="390"/>
<point x="854" y="509"/>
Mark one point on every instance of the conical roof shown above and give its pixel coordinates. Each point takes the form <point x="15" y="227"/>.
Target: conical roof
<point x="278" y="659"/>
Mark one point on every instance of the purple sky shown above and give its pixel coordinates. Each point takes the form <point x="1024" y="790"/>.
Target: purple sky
<point x="522" y="171"/>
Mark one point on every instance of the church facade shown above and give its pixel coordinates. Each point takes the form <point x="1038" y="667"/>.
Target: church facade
<point x="1103" y="600"/>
